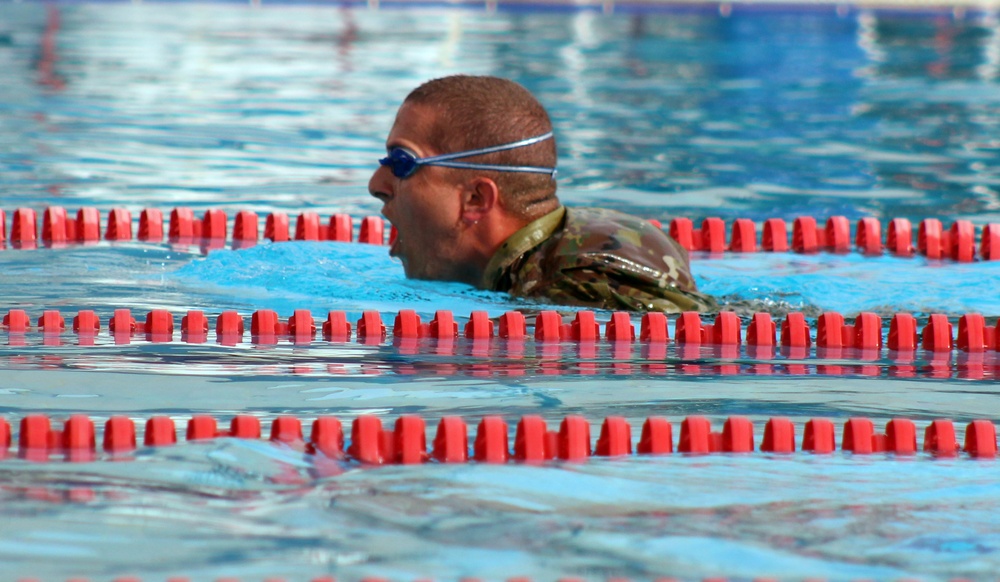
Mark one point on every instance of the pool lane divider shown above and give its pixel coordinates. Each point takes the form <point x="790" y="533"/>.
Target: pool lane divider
<point x="867" y="335"/>
<point x="933" y="240"/>
<point x="58" y="229"/>
<point x="407" y="442"/>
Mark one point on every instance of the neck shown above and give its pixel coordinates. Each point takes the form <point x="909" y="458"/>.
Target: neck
<point x="482" y="239"/>
<point x="539" y="209"/>
<point x="485" y="237"/>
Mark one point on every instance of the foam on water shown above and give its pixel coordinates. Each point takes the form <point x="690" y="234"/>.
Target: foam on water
<point x="853" y="283"/>
<point x="356" y="277"/>
<point x="351" y="277"/>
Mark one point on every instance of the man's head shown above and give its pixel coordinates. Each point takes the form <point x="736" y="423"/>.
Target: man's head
<point x="451" y="220"/>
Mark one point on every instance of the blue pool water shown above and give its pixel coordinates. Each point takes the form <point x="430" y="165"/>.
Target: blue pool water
<point x="671" y="113"/>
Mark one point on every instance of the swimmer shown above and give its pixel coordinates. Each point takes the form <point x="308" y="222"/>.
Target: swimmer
<point x="469" y="182"/>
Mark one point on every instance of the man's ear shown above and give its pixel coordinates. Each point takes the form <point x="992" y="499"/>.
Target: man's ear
<point x="480" y="197"/>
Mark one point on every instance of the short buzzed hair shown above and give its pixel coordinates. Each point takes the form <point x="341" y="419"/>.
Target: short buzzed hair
<point x="476" y="112"/>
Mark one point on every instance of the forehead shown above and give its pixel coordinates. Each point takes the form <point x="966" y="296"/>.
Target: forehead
<point x="413" y="128"/>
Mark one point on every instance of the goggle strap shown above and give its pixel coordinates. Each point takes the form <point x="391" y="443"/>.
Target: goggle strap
<point x="471" y="166"/>
<point x="489" y="150"/>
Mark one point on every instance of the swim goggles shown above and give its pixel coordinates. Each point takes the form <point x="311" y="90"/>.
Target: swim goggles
<point x="404" y="163"/>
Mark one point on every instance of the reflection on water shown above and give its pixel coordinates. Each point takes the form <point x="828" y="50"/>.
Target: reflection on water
<point x="499" y="360"/>
<point x="636" y="517"/>
<point x="681" y="112"/>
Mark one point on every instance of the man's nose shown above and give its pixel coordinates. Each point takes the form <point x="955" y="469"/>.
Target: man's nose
<point x="380" y="184"/>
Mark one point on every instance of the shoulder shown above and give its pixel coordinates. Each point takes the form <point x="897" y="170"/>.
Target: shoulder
<point x="603" y="231"/>
<point x="604" y="216"/>
<point x="598" y="246"/>
<point x="611" y="260"/>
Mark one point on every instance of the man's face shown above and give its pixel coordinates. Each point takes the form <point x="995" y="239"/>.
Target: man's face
<point x="425" y="208"/>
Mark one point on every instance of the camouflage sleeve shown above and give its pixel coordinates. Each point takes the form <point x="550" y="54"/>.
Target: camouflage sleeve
<point x="611" y="282"/>
<point x="605" y="259"/>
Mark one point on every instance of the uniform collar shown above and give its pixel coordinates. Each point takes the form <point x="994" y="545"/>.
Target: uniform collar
<point x="519" y="243"/>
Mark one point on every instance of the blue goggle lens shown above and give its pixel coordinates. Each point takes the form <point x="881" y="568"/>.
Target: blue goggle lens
<point x="401" y="162"/>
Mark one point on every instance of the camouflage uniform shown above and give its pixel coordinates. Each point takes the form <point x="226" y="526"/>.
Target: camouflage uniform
<point x="597" y="258"/>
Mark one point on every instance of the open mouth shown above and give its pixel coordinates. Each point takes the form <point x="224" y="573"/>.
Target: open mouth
<point x="393" y="241"/>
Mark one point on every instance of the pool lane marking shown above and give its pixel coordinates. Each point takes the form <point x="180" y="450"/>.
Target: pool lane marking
<point x="211" y="231"/>
<point x="370" y="443"/>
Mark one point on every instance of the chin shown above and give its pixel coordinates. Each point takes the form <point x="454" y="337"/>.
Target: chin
<point x="412" y="272"/>
<point x="424" y="274"/>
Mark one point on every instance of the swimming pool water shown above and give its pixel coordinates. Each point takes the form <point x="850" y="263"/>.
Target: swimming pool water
<point x="674" y="112"/>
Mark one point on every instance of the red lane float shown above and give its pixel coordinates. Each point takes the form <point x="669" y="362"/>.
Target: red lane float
<point x="513" y="326"/>
<point x="929" y="239"/>
<point x="16" y="321"/>
<point x="151" y="225"/>
<point x="775" y="236"/>
<point x="51" y="322"/>
<point x="23" y="228"/>
<point x="744" y="238"/>
<point x="866" y="333"/>
<point x="805" y="237"/>
<point x="307" y="227"/>
<point x="185" y="227"/>
<point x="340" y="228"/>
<point x="899" y="237"/>
<point x="38" y="438"/>
<point x="654" y="328"/>
<point x="54" y="225"/>
<point x="958" y="242"/>
<point x="989" y="245"/>
<point x="119" y="225"/>
<point x="276" y="227"/>
<point x="301" y="326"/>
<point x="480" y="326"/>
<point x="213" y="224"/>
<point x="372" y="230"/>
<point x="868" y="236"/>
<point x="246" y="227"/>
